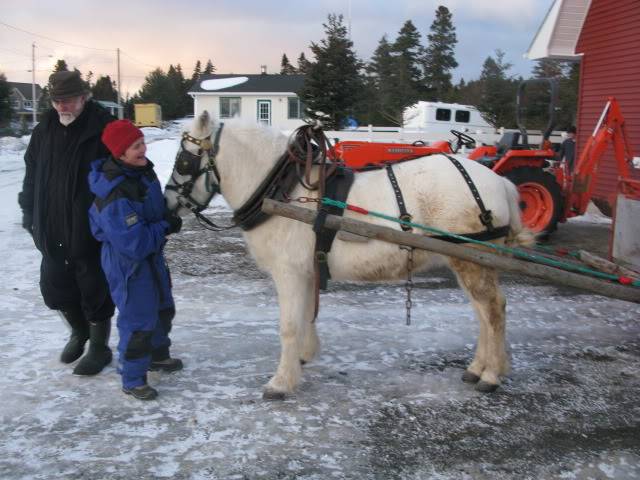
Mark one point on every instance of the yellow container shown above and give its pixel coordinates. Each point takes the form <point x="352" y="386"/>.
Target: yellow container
<point x="148" y="115"/>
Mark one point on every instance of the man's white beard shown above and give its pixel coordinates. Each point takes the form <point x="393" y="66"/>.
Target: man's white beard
<point x="66" y="118"/>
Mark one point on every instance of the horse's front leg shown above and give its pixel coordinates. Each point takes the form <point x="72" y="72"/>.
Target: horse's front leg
<point x="296" y="301"/>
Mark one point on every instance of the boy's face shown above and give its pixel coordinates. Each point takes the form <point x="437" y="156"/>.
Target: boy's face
<point x="135" y="154"/>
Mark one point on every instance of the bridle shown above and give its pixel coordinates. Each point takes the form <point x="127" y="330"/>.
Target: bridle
<point x="188" y="164"/>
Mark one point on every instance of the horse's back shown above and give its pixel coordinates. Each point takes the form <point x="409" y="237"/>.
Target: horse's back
<point x="436" y="193"/>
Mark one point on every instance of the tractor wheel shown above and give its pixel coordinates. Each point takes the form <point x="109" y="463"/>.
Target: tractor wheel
<point x="540" y="199"/>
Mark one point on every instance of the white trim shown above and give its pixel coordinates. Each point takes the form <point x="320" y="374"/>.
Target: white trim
<point x="558" y="34"/>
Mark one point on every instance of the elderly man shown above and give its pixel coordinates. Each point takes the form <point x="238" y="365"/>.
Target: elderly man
<point x="55" y="200"/>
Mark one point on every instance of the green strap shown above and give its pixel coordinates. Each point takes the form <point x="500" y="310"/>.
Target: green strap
<point x="499" y="248"/>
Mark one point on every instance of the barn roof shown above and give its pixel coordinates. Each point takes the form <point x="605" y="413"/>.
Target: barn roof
<point x="559" y="32"/>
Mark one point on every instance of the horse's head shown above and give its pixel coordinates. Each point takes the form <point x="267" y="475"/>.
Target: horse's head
<point x="195" y="179"/>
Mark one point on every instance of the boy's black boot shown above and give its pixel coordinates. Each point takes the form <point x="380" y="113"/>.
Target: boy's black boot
<point x="99" y="354"/>
<point x="143" y="392"/>
<point x="74" y="348"/>
<point x="161" y="360"/>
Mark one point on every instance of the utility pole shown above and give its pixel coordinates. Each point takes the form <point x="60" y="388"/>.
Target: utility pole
<point x="119" y="109"/>
<point x="34" y="100"/>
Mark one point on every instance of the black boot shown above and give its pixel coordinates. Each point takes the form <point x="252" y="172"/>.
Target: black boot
<point x="99" y="354"/>
<point x="74" y="348"/>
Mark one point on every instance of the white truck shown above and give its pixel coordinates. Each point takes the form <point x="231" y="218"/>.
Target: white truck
<point x="441" y="118"/>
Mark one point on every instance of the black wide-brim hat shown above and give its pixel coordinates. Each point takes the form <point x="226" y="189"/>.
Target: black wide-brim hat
<point x="66" y="84"/>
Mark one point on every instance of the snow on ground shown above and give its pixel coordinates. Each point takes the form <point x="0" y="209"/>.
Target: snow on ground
<point x="381" y="401"/>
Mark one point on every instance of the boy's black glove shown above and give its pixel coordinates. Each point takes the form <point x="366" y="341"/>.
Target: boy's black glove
<point x="174" y="221"/>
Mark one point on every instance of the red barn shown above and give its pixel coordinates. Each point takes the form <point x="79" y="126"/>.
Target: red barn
<point x="605" y="36"/>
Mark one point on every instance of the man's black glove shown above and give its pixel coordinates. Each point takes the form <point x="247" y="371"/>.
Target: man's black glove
<point x="174" y="221"/>
<point x="27" y="223"/>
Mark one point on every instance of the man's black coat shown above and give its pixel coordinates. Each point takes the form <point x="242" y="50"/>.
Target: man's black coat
<point x="55" y="196"/>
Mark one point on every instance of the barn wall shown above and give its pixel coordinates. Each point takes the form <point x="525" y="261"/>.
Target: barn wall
<point x="610" y="66"/>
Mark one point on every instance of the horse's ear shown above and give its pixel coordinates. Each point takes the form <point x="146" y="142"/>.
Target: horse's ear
<point x="204" y="120"/>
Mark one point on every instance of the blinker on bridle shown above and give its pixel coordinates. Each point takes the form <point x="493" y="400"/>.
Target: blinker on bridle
<point x="188" y="164"/>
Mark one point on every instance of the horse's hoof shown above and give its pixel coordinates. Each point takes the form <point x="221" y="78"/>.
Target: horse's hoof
<point x="486" y="387"/>
<point x="270" y="394"/>
<point x="468" y="377"/>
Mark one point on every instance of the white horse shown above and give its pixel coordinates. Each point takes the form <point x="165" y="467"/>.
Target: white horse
<point x="435" y="194"/>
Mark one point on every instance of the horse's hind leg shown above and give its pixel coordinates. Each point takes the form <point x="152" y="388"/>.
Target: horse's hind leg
<point x="294" y="295"/>
<point x="310" y="343"/>
<point x="490" y="361"/>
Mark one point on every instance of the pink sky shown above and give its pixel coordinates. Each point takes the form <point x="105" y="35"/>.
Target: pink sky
<point x="239" y="36"/>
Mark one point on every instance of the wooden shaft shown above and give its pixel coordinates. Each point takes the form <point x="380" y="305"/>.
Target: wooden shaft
<point x="487" y="259"/>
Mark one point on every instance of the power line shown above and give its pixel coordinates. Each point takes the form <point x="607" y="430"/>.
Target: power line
<point x="138" y="61"/>
<point x="54" y="40"/>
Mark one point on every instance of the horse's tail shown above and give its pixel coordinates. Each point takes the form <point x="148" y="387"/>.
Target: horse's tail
<point x="518" y="234"/>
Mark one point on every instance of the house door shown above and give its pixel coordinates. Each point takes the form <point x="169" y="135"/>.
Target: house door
<point x="264" y="111"/>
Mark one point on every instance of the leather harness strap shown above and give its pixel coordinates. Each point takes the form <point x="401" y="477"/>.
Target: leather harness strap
<point x="486" y="217"/>
<point x="404" y="215"/>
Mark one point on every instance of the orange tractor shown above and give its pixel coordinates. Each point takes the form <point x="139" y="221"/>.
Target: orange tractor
<point x="549" y="192"/>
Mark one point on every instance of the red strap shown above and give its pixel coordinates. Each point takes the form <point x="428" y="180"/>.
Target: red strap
<point x="625" y="280"/>
<point x="353" y="208"/>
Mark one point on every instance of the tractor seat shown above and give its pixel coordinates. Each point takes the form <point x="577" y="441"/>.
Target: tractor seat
<point x="508" y="142"/>
<point x="488" y="162"/>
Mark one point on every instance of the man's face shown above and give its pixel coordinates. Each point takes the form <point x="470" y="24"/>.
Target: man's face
<point x="69" y="108"/>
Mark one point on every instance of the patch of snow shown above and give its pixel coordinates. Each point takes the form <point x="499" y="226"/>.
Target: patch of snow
<point x="220" y="83"/>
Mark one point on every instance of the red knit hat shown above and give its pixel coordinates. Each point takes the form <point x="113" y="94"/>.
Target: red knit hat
<point x="119" y="135"/>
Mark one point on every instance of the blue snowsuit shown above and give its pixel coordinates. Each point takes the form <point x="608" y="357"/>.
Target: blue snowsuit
<point x="127" y="216"/>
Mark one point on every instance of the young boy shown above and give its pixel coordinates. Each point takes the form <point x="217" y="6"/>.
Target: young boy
<point x="129" y="216"/>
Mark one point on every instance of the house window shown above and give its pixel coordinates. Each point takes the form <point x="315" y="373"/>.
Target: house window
<point x="463" y="116"/>
<point x="295" y="108"/>
<point x="27" y="104"/>
<point x="443" y="114"/>
<point x="15" y="103"/>
<point x="229" y="107"/>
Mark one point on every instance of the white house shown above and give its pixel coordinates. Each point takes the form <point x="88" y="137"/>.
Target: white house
<point x="21" y="99"/>
<point x="270" y="99"/>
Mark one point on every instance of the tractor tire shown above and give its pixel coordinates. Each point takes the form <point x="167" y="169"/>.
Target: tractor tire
<point x="540" y="199"/>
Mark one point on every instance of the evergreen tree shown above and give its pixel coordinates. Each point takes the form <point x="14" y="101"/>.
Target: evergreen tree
<point x="407" y="52"/>
<point x="439" y="59"/>
<point x="5" y="106"/>
<point x="303" y="64"/>
<point x="333" y="82"/>
<point x="157" y="89"/>
<point x="197" y="71"/>
<point x="104" y="89"/>
<point x="285" y="67"/>
<point x="60" y="66"/>
<point x="174" y="102"/>
<point x="90" y="78"/>
<point x="381" y="85"/>
<point x="568" y="102"/>
<point x="209" y="69"/>
<point x="548" y="68"/>
<point x="497" y="102"/>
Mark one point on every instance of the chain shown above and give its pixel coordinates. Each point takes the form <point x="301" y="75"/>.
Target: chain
<point x="409" y="283"/>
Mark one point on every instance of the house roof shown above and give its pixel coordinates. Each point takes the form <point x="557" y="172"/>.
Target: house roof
<point x="247" y="83"/>
<point x="25" y="89"/>
<point x="559" y="32"/>
<point x="108" y="104"/>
